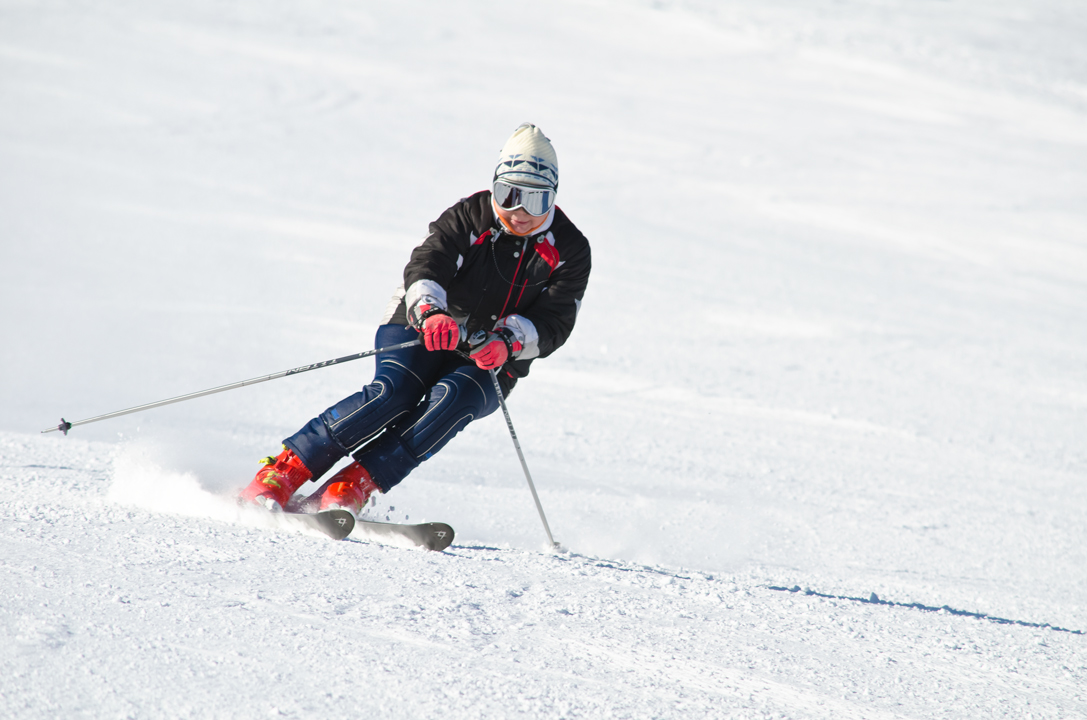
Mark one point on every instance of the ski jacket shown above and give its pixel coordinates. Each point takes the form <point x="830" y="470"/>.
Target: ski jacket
<point x="487" y="278"/>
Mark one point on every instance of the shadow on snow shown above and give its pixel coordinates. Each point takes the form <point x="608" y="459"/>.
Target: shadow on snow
<point x="874" y="599"/>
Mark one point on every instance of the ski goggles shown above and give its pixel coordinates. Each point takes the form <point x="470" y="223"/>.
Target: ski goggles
<point x="536" y="201"/>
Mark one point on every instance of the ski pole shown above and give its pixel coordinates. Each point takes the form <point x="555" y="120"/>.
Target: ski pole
<point x="65" y="426"/>
<point x="521" y="456"/>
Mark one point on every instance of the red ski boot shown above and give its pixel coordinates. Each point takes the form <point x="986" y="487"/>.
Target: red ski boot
<point x="349" y="489"/>
<point x="275" y="483"/>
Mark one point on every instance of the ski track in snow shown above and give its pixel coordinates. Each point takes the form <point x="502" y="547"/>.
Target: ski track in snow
<point x="827" y="381"/>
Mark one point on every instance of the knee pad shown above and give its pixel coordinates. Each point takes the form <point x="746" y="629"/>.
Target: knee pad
<point x="451" y="405"/>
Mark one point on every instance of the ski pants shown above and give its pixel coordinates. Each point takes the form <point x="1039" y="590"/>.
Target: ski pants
<point x="419" y="398"/>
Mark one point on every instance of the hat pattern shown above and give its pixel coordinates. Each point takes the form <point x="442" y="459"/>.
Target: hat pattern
<point x="528" y="157"/>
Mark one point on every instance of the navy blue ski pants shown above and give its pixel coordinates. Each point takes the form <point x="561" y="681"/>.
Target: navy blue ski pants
<point x="421" y="399"/>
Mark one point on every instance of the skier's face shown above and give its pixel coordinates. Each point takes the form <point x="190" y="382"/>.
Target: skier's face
<point x="519" y="221"/>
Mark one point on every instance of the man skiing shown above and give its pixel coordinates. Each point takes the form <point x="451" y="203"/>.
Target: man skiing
<point x="505" y="261"/>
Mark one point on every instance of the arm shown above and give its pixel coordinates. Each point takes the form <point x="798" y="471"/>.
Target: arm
<point x="429" y="272"/>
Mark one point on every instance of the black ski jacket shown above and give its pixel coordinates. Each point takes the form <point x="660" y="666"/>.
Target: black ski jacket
<point x="490" y="275"/>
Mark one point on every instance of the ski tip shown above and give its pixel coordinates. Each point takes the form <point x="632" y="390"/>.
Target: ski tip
<point x="440" y="537"/>
<point x="337" y="524"/>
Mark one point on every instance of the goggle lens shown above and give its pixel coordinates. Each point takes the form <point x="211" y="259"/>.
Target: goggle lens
<point x="535" y="201"/>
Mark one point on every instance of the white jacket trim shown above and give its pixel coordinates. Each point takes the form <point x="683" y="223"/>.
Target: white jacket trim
<point x="525" y="333"/>
<point x="426" y="291"/>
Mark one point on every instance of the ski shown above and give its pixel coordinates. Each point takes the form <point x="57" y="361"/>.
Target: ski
<point x="338" y="524"/>
<point x="432" y="535"/>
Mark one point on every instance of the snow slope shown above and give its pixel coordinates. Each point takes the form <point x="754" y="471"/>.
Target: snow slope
<point x="833" y="342"/>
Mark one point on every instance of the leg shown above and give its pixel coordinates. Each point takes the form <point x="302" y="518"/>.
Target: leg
<point x="465" y="393"/>
<point x="399" y="384"/>
<point x="400" y="381"/>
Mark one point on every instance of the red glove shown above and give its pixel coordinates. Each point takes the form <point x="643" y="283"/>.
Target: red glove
<point x="440" y="332"/>
<point x="497" y="349"/>
<point x="491" y="354"/>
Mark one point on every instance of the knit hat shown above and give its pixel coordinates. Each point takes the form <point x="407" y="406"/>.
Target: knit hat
<point x="527" y="158"/>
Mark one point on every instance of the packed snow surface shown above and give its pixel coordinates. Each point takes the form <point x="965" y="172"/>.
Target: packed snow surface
<point x="816" y="449"/>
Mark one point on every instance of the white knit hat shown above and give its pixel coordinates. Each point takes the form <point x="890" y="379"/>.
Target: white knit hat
<point x="528" y="159"/>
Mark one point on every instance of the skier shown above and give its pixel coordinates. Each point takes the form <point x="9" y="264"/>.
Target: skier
<point x="506" y="261"/>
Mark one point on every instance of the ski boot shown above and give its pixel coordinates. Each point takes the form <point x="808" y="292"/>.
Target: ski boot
<point x="275" y="483"/>
<point x="349" y="489"/>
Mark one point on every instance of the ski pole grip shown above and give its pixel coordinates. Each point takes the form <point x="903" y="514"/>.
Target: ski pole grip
<point x="471" y="343"/>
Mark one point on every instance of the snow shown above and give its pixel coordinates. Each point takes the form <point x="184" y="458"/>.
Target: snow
<point x="833" y="347"/>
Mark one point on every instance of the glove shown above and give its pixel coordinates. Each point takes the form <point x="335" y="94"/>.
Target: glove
<point x="495" y="350"/>
<point x="440" y="332"/>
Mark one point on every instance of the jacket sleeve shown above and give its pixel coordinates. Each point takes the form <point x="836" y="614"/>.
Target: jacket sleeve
<point x="435" y="261"/>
